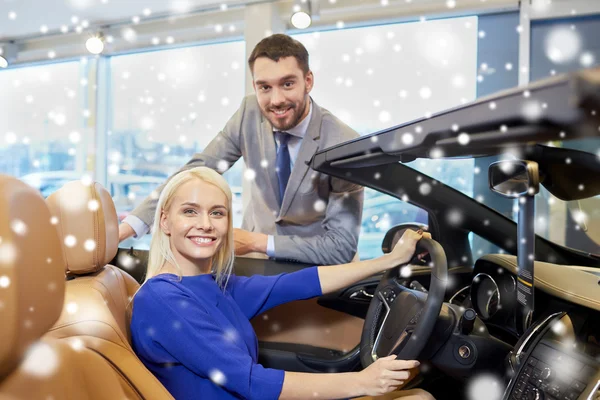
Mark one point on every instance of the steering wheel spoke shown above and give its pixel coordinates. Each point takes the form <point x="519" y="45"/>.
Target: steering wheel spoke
<point x="400" y="320"/>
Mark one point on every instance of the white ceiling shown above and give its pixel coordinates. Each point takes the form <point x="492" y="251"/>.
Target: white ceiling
<point x="31" y="15"/>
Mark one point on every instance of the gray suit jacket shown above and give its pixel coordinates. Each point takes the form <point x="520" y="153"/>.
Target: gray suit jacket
<point x="319" y="220"/>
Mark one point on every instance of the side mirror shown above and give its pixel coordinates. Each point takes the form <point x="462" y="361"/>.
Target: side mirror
<point x="514" y="178"/>
<point x="395" y="233"/>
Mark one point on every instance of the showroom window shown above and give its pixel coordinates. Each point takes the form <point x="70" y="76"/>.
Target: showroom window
<point x="165" y="106"/>
<point x="47" y="132"/>
<point x="376" y="77"/>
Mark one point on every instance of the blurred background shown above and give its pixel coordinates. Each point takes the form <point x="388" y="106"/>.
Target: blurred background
<point x="124" y="92"/>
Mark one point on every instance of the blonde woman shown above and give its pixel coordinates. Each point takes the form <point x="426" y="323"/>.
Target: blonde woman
<point x="191" y="317"/>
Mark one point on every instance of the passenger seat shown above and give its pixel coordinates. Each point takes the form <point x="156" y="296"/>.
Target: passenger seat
<point x="31" y="298"/>
<point x="98" y="296"/>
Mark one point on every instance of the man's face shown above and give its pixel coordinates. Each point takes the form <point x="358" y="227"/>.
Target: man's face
<point x="282" y="91"/>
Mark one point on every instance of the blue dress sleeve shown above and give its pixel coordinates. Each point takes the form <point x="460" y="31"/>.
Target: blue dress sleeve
<point x="259" y="293"/>
<point x="193" y="338"/>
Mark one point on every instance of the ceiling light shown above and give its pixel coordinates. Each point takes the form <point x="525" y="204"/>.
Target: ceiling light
<point x="8" y="54"/>
<point x="95" y="44"/>
<point x="301" y="19"/>
<point x="303" y="13"/>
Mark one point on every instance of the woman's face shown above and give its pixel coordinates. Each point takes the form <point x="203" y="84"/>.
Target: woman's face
<point x="197" y="223"/>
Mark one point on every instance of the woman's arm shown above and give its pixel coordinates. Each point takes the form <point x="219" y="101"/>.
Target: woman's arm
<point x="383" y="376"/>
<point x="336" y="277"/>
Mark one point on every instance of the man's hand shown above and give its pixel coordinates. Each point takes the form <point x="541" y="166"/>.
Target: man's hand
<point x="248" y="242"/>
<point x="125" y="231"/>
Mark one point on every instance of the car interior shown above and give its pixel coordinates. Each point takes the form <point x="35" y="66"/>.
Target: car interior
<point x="529" y="317"/>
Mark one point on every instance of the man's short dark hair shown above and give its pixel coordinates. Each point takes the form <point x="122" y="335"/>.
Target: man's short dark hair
<point x="279" y="46"/>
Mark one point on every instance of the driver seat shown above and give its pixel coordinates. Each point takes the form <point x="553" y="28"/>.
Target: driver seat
<point x="98" y="296"/>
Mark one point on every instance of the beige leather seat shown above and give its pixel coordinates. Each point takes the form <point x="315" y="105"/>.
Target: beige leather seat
<point x="97" y="302"/>
<point x="31" y="298"/>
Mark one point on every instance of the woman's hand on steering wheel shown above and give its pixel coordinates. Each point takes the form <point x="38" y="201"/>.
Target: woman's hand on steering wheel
<point x="385" y="375"/>
<point x="405" y="247"/>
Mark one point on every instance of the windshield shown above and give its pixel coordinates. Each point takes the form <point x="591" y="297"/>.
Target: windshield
<point x="572" y="224"/>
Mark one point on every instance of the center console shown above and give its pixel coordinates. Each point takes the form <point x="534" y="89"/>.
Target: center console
<point x="551" y="364"/>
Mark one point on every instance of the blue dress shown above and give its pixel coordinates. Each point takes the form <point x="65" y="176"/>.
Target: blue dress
<point x="198" y="340"/>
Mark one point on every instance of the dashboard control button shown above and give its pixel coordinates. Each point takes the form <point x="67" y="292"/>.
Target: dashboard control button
<point x="578" y="386"/>
<point x="531" y="362"/>
<point x="546" y="373"/>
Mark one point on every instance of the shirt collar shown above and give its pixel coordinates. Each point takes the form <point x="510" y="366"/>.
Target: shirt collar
<point x="300" y="129"/>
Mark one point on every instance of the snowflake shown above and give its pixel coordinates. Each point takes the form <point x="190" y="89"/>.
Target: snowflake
<point x="89" y="245"/>
<point x="319" y="206"/>
<point x="217" y="377"/>
<point x="4" y="281"/>
<point x="405" y="272"/>
<point x="407" y="138"/>
<point x="562" y="45"/>
<point x="464" y="139"/>
<point x="425" y="188"/>
<point x="19" y="227"/>
<point x="72" y="307"/>
<point x="250" y="174"/>
<point x="41" y="360"/>
<point x="425" y="92"/>
<point x="454" y="217"/>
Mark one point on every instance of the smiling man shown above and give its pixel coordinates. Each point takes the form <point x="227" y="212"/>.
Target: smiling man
<point x="294" y="212"/>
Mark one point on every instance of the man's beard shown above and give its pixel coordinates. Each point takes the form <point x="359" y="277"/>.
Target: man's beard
<point x="297" y="114"/>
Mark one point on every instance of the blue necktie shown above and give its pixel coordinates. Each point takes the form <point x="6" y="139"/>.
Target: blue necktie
<point x="283" y="163"/>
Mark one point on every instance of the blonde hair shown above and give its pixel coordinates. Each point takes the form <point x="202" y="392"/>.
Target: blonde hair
<point x="160" y="248"/>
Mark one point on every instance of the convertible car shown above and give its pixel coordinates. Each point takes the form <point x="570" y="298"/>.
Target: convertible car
<point x="494" y="311"/>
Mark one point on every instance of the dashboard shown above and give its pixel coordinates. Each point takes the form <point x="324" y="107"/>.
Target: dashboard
<point x="558" y="357"/>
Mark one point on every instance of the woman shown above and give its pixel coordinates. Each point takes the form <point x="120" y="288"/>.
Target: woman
<point x="190" y="323"/>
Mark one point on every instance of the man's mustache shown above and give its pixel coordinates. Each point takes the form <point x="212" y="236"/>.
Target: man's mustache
<point x="284" y="107"/>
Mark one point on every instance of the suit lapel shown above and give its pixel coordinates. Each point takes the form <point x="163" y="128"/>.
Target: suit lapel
<point x="308" y="148"/>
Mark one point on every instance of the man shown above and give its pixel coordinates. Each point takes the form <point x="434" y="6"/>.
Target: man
<point x="294" y="212"/>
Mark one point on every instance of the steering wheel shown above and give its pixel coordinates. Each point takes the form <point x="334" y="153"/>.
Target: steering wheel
<point x="400" y="320"/>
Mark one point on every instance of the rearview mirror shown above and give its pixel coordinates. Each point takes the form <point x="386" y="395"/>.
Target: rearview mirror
<point x="514" y="178"/>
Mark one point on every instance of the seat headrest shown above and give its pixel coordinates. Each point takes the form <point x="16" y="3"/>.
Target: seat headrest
<point x="87" y="225"/>
<point x="32" y="278"/>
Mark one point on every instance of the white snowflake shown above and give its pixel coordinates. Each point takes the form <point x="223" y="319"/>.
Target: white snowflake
<point x="425" y="92"/>
<point x="129" y="34"/>
<point x="454" y="217"/>
<point x="41" y="360"/>
<point x="76" y="344"/>
<point x="532" y="110"/>
<point x="407" y="138"/>
<point x="385" y="116"/>
<point x="126" y="261"/>
<point x="70" y="241"/>
<point x="72" y="307"/>
<point x="89" y="245"/>
<point x="249" y="174"/>
<point x="562" y="45"/>
<point x="464" y="139"/>
<point x="587" y="59"/>
<point x="217" y="377"/>
<point x="4" y="281"/>
<point x="19" y="227"/>
<point x="405" y="272"/>
<point x="319" y="206"/>
<point x="425" y="188"/>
